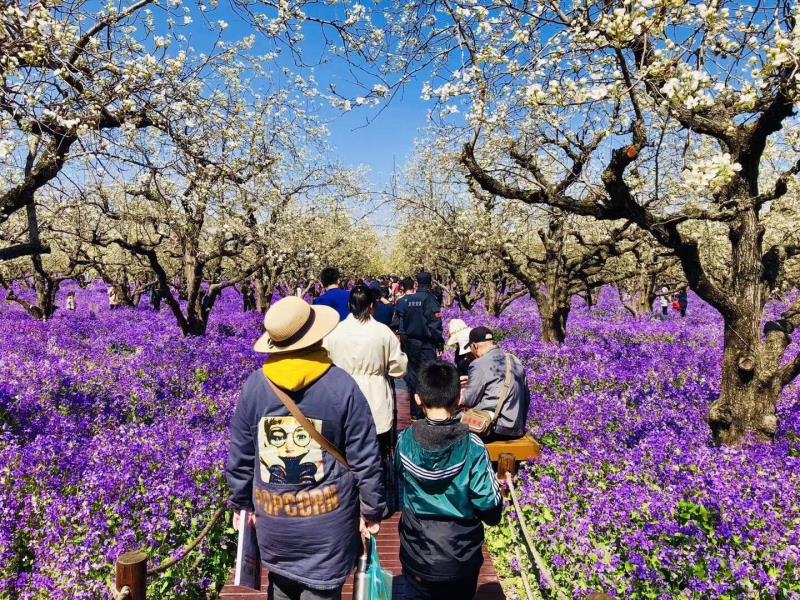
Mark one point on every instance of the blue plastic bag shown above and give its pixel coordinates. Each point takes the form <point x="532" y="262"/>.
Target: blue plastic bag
<point x="379" y="581"/>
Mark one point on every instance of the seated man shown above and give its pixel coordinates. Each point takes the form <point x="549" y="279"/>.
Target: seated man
<point x="487" y="374"/>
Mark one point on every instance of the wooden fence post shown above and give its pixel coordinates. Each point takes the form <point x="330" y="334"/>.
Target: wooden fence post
<point x="506" y="463"/>
<point x="132" y="572"/>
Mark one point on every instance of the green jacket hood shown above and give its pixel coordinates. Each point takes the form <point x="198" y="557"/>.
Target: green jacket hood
<point x="446" y="472"/>
<point x="438" y="454"/>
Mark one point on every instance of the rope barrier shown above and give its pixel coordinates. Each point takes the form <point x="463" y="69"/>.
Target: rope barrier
<point x="190" y="546"/>
<point x="525" y="582"/>
<point x="539" y="562"/>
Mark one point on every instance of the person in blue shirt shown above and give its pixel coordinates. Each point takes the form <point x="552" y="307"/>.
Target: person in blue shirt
<point x="334" y="296"/>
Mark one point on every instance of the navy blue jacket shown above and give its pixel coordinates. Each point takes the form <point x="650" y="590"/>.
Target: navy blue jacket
<point x="336" y="298"/>
<point x="420" y="318"/>
<point x="384" y="313"/>
<point x="307" y="504"/>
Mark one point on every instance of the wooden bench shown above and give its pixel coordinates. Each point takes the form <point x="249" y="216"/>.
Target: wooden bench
<point x="508" y="454"/>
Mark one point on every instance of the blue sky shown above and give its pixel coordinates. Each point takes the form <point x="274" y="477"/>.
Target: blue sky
<point x="380" y="139"/>
<point x="387" y="140"/>
<point x="377" y="139"/>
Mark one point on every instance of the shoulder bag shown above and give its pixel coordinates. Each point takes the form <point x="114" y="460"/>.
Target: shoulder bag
<point x="482" y="421"/>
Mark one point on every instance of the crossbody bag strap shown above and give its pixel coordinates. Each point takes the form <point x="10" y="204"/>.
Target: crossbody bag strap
<point x="308" y="425"/>
<point x="506" y="388"/>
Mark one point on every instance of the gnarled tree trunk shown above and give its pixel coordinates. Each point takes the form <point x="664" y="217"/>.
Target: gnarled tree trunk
<point x="265" y="283"/>
<point x="752" y="376"/>
<point x="554" y="314"/>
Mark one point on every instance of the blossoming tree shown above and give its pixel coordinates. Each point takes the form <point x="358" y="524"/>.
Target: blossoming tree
<point x="72" y="78"/>
<point x="657" y="112"/>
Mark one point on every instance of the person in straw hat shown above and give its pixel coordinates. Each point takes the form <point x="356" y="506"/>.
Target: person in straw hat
<point x="308" y="492"/>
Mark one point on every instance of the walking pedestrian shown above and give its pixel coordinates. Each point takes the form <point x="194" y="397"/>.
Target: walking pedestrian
<point x="458" y="332"/>
<point x="333" y="295"/>
<point x="113" y="297"/>
<point x="419" y="318"/>
<point x="71" y="304"/>
<point x="450" y="491"/>
<point x="384" y="309"/>
<point x="371" y="353"/>
<point x="664" y="301"/>
<point x="304" y="457"/>
<point x="155" y="298"/>
<point x="406" y="289"/>
<point x="248" y="296"/>
<point x="683" y="300"/>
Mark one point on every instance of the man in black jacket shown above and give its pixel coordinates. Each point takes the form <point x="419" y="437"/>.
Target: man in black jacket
<point x="420" y="329"/>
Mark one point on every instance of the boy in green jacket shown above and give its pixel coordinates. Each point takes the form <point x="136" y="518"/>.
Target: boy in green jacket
<point x="450" y="491"/>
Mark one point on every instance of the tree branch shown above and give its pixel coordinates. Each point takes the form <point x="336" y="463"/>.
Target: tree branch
<point x="20" y="250"/>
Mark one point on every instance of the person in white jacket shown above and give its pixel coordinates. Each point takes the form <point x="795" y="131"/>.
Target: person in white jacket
<point x="371" y="354"/>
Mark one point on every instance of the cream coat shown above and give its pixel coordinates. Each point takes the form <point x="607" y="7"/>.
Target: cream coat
<point x="371" y="353"/>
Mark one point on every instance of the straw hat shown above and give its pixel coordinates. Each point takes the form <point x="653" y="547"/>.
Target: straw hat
<point x="293" y="324"/>
<point x="459" y="334"/>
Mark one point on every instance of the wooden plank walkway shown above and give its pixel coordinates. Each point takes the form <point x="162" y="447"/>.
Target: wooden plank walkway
<point x="389" y="548"/>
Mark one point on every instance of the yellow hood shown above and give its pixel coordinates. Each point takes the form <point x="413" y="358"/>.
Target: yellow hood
<point x="297" y="370"/>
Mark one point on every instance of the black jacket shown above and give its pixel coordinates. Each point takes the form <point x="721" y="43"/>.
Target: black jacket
<point x="420" y="318"/>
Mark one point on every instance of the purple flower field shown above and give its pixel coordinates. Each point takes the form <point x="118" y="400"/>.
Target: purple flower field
<point x="629" y="498"/>
<point x="113" y="437"/>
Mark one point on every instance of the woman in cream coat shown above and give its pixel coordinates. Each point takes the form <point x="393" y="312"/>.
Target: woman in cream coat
<point x="371" y="353"/>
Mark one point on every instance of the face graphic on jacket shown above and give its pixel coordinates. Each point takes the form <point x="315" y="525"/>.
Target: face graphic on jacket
<point x="287" y="453"/>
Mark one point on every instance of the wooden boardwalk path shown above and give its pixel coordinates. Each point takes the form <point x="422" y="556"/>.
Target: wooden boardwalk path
<point x="389" y="548"/>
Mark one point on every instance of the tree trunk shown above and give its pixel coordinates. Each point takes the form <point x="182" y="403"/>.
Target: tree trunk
<point x="467" y="301"/>
<point x="266" y="280"/>
<point x="491" y="300"/>
<point x="640" y="302"/>
<point x="123" y="290"/>
<point x="46" y="299"/>
<point x="449" y="296"/>
<point x="264" y="291"/>
<point x="750" y="385"/>
<point x="554" y="322"/>
<point x="499" y="298"/>
<point x="752" y="378"/>
<point x="195" y="326"/>
<point x="644" y="303"/>
<point x="46" y="288"/>
<point x="589" y="299"/>
<point x="553" y="312"/>
<point x="136" y="297"/>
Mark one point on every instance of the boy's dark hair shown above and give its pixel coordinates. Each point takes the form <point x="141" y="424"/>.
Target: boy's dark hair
<point x="360" y="302"/>
<point x="329" y="276"/>
<point x="438" y="385"/>
<point x="408" y="284"/>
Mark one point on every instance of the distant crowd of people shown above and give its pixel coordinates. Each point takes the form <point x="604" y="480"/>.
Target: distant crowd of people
<point x="314" y="454"/>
